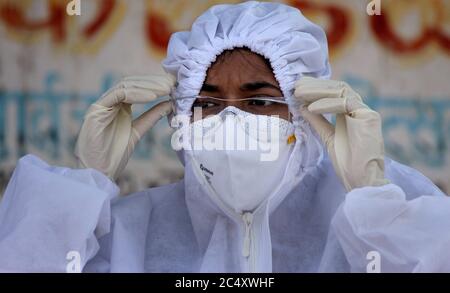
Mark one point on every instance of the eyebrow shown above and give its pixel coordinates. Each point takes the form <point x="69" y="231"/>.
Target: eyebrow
<point x="251" y="86"/>
<point x="209" y="88"/>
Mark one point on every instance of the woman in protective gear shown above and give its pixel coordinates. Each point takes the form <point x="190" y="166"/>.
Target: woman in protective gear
<point x="270" y="184"/>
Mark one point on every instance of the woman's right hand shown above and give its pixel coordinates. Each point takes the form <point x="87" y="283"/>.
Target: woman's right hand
<point x="109" y="135"/>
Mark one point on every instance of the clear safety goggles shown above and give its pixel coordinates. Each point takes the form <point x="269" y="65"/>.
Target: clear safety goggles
<point x="204" y="106"/>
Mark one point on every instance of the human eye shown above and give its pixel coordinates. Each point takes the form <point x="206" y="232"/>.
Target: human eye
<point x="204" y="104"/>
<point x="260" y="101"/>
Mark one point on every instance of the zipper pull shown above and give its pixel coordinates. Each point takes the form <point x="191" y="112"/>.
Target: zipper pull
<point x="248" y="220"/>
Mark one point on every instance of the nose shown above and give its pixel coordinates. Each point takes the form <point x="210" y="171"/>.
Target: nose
<point x="230" y="110"/>
<point x="231" y="101"/>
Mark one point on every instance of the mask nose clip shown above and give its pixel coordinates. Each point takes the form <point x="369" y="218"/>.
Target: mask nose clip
<point x="230" y="111"/>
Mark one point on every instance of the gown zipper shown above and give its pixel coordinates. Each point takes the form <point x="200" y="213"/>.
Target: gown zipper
<point x="248" y="246"/>
<point x="248" y="220"/>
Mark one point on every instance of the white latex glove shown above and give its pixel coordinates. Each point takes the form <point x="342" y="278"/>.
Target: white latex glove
<point x="108" y="135"/>
<point x="356" y="145"/>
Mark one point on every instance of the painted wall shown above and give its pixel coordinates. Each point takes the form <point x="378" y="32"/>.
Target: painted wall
<point x="53" y="66"/>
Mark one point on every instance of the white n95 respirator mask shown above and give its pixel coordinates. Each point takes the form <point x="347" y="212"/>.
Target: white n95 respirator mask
<point x="242" y="157"/>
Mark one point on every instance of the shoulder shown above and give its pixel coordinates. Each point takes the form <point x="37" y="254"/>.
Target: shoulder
<point x="141" y="203"/>
<point x="413" y="182"/>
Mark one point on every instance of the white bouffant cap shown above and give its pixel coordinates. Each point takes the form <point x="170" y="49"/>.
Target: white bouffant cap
<point x="293" y="45"/>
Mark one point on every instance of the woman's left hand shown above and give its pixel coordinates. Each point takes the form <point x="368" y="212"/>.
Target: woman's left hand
<point x="355" y="145"/>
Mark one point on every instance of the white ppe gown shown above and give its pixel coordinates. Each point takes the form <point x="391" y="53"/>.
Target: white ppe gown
<point x="48" y="212"/>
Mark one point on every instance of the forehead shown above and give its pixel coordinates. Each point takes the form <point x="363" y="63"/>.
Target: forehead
<point x="240" y="65"/>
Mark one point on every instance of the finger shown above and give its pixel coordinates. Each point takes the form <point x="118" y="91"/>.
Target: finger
<point x="311" y="89"/>
<point x="138" y="89"/>
<point x="307" y="81"/>
<point x="129" y="96"/>
<point x="328" y="105"/>
<point x="166" y="78"/>
<point x="161" y="84"/>
<point x="324" y="129"/>
<point x="355" y="104"/>
<point x="310" y="95"/>
<point x="147" y="120"/>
